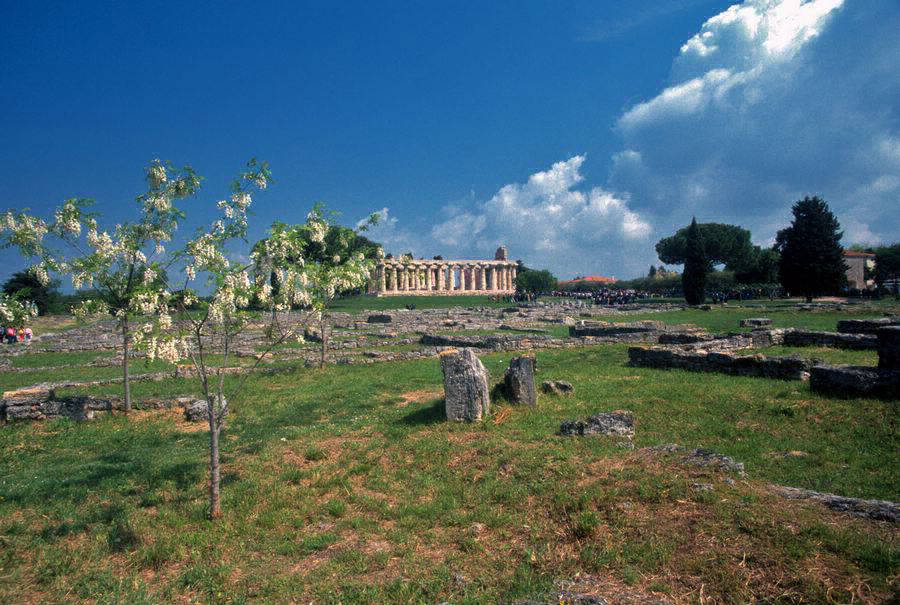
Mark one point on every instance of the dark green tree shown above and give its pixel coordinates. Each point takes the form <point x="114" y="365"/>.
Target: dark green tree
<point x="696" y="266"/>
<point x="652" y="272"/>
<point x="727" y="245"/>
<point x="760" y="268"/>
<point x="812" y="258"/>
<point x="535" y="282"/>
<point x="25" y="286"/>
<point x="887" y="268"/>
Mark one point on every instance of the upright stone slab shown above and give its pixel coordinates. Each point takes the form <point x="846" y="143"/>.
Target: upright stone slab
<point x="519" y="380"/>
<point x="889" y="348"/>
<point x="466" y="393"/>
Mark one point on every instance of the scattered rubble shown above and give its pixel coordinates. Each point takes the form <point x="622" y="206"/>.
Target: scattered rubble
<point x="877" y="510"/>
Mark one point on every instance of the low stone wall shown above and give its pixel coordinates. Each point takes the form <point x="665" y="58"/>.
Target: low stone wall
<point x="43" y="404"/>
<point x="491" y="342"/>
<point x="782" y="368"/>
<point x="806" y="338"/>
<point x="682" y="338"/>
<point x="583" y="329"/>
<point x="866" y="326"/>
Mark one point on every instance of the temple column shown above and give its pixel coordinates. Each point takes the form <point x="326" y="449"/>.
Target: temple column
<point x="512" y="276"/>
<point x="382" y="279"/>
<point x="428" y="278"/>
<point x="452" y="276"/>
<point x="482" y="277"/>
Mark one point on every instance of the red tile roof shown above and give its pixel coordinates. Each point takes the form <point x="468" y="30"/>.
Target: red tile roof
<point x="852" y="254"/>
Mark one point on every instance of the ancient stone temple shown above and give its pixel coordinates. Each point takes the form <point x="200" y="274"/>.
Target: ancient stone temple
<point x="407" y="277"/>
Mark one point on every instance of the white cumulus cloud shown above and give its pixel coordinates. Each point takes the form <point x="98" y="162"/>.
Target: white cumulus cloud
<point x="772" y="100"/>
<point x="548" y="221"/>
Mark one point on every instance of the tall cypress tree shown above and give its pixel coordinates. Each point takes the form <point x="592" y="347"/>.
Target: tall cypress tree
<point x="812" y="258"/>
<point x="696" y="266"/>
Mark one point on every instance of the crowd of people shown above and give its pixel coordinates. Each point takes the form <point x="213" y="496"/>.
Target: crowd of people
<point x="12" y="335"/>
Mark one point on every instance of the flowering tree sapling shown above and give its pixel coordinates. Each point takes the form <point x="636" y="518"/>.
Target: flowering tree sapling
<point x="125" y="268"/>
<point x="322" y="257"/>
<point x="15" y="313"/>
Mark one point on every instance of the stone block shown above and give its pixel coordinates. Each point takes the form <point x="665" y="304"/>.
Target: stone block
<point x="756" y="322"/>
<point x="379" y="318"/>
<point x="466" y="392"/>
<point x="557" y="387"/>
<point x="856" y="381"/>
<point x="519" y="380"/>
<point x="619" y="422"/>
<point x="889" y="348"/>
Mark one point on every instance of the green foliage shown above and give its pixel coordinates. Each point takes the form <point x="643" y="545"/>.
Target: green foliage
<point x="696" y="266"/>
<point x="760" y="267"/>
<point x="535" y="282"/>
<point x="25" y="286"/>
<point x="887" y="267"/>
<point x="812" y="259"/>
<point x="723" y="244"/>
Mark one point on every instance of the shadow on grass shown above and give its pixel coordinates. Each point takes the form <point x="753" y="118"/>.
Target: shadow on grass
<point x="430" y="414"/>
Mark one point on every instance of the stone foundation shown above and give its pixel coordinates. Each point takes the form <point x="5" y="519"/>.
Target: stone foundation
<point x="781" y="368"/>
<point x="38" y="403"/>
<point x="839" y="340"/>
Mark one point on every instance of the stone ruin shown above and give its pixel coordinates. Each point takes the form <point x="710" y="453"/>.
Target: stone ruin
<point x="466" y="393"/>
<point x="408" y="277"/>
<point x="864" y="381"/>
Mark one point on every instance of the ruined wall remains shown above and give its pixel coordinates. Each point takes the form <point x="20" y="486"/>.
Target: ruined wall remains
<point x="782" y="368"/>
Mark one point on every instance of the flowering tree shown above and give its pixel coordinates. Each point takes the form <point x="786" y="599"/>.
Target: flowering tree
<point x="207" y="337"/>
<point x="329" y="258"/>
<point x="126" y="268"/>
<point x="15" y="313"/>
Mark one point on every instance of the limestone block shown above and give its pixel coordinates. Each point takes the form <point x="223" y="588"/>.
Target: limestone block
<point x="619" y="422"/>
<point x="519" y="380"/>
<point x="198" y="411"/>
<point x="557" y="387"/>
<point x="466" y="393"/>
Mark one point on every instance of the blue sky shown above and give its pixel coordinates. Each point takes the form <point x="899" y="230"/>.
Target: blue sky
<point x="576" y="133"/>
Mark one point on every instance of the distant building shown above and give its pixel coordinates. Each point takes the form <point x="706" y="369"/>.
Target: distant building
<point x="857" y="263"/>
<point x="594" y="279"/>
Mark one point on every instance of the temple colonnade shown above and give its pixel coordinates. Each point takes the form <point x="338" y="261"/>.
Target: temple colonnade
<point x="396" y="277"/>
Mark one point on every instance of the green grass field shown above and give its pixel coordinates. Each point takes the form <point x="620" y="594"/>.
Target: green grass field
<point x="346" y="485"/>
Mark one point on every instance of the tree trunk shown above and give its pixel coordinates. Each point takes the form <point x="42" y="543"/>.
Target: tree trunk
<point x="125" y="374"/>
<point x="324" y="337"/>
<point x="215" y="506"/>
